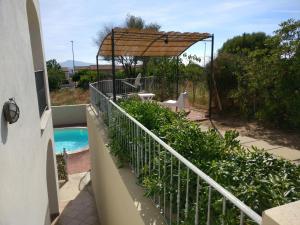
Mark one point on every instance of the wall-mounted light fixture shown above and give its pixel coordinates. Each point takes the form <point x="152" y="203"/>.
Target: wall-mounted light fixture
<point x="11" y="111"/>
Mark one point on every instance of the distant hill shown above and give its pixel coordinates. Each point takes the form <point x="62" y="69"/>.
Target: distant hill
<point x="69" y="63"/>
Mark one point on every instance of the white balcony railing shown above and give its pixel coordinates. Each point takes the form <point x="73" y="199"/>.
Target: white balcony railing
<point x="183" y="193"/>
<point x="125" y="86"/>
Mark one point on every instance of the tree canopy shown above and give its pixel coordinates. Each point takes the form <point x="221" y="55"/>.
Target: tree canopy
<point x="52" y="64"/>
<point x="244" y="43"/>
<point x="260" y="75"/>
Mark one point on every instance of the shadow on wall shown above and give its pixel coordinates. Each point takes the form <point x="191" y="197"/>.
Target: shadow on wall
<point x="51" y="183"/>
<point x="47" y="217"/>
<point x="147" y="210"/>
<point x="4" y="129"/>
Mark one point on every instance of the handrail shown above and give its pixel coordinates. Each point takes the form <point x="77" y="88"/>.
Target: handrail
<point x="238" y="203"/>
<point x="129" y="84"/>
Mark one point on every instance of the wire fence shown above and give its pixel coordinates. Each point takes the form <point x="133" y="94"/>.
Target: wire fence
<point x="164" y="88"/>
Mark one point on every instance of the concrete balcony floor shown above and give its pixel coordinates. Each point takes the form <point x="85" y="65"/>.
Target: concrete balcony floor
<point x="76" y="202"/>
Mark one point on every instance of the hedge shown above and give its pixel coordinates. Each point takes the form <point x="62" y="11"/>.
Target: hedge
<point x="252" y="175"/>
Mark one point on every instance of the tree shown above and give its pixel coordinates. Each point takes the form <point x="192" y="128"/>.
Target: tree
<point x="194" y="73"/>
<point x="245" y="43"/>
<point x="261" y="75"/>
<point x="55" y="74"/>
<point x="280" y="76"/>
<point x="229" y="70"/>
<point x="52" y="64"/>
<point x="128" y="62"/>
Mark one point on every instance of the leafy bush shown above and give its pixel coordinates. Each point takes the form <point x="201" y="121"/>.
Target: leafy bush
<point x="84" y="82"/>
<point x="55" y="80"/>
<point x="92" y="74"/>
<point x="76" y="77"/>
<point x="253" y="176"/>
<point x="56" y="75"/>
<point x="61" y="167"/>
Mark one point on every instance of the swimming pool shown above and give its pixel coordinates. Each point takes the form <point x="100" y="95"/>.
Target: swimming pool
<point x="71" y="139"/>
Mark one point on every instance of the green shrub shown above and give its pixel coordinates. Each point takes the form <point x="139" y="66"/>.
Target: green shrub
<point x="253" y="176"/>
<point x="56" y="75"/>
<point x="55" y="80"/>
<point x="84" y="82"/>
<point x="90" y="74"/>
<point x="61" y="167"/>
<point x="76" y="77"/>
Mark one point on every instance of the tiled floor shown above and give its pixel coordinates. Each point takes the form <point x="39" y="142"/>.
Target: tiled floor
<point x="76" y="202"/>
<point x="78" y="162"/>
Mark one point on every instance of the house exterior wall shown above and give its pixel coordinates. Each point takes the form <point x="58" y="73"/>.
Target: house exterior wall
<point x="27" y="182"/>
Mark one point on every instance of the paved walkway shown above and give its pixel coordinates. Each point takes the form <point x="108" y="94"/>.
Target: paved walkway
<point x="76" y="202"/>
<point x="277" y="150"/>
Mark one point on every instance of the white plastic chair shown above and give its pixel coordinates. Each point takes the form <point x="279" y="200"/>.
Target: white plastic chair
<point x="179" y="103"/>
<point x="137" y="81"/>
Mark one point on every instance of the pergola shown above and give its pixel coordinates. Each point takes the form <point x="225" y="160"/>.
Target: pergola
<point x="150" y="43"/>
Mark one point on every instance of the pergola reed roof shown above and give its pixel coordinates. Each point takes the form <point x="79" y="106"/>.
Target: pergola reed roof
<point x="134" y="42"/>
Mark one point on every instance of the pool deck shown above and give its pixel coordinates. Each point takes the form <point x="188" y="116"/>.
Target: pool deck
<point x="79" y="162"/>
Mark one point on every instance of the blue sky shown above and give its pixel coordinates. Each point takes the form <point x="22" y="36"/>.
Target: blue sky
<point x="80" y="20"/>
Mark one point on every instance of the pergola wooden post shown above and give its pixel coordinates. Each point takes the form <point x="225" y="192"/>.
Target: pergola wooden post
<point x="113" y="63"/>
<point x="211" y="76"/>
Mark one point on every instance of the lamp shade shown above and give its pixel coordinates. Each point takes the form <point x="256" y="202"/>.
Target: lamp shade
<point x="11" y="111"/>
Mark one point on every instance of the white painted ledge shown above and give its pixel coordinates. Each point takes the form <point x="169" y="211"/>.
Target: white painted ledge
<point x="288" y="214"/>
<point x="45" y="118"/>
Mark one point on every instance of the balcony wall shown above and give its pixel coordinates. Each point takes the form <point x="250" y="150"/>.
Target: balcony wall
<point x="119" y="200"/>
<point x="67" y="115"/>
<point x="287" y="214"/>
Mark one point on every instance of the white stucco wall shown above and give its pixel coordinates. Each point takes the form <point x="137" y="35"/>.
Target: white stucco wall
<point x="288" y="214"/>
<point x="65" y="115"/>
<point x="23" y="145"/>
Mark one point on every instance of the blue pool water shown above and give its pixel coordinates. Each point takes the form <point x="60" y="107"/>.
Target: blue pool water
<point x="72" y="139"/>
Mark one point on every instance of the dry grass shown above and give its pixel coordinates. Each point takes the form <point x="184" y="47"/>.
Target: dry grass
<point x="69" y="96"/>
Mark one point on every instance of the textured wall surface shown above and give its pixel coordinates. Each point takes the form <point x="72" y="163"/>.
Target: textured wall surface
<point x="27" y="174"/>
<point x="288" y="214"/>
<point x="69" y="114"/>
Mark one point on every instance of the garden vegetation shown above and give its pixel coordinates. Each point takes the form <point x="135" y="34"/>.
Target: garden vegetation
<point x="56" y="75"/>
<point x="252" y="175"/>
<point x="259" y="75"/>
